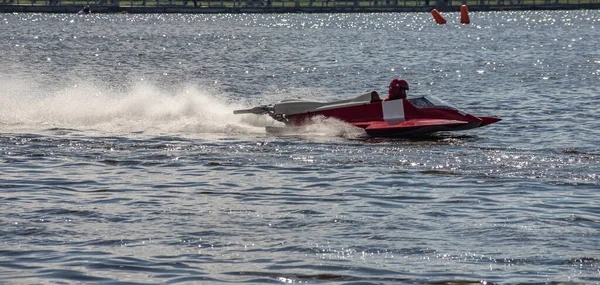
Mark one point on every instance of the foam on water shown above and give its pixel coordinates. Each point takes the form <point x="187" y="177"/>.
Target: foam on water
<point x="26" y="105"/>
<point x="142" y="107"/>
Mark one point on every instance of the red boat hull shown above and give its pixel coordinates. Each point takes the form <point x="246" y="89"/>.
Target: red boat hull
<point x="397" y="118"/>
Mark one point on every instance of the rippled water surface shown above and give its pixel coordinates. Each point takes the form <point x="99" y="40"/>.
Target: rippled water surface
<point x="121" y="160"/>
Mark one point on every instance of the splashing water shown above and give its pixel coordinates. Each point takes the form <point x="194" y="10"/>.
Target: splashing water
<point x="141" y="108"/>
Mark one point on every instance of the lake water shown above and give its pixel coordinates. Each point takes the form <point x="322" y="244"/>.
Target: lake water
<point x="121" y="161"/>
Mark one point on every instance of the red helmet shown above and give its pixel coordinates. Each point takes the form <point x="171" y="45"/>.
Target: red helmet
<point x="395" y="86"/>
<point x="397" y="82"/>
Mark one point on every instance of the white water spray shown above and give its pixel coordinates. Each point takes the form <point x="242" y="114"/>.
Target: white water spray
<point x="142" y="108"/>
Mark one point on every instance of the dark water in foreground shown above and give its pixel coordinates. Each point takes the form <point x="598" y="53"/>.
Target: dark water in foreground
<point x="121" y="160"/>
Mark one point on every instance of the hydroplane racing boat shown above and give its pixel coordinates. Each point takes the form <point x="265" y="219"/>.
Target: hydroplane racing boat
<point x="393" y="118"/>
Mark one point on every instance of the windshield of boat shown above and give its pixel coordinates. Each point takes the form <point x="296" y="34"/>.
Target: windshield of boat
<point x="431" y="102"/>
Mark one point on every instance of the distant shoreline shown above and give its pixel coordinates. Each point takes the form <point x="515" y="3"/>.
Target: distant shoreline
<point x="216" y="9"/>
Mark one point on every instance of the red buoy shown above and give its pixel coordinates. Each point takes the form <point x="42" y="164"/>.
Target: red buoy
<point x="438" y="17"/>
<point x="464" y="15"/>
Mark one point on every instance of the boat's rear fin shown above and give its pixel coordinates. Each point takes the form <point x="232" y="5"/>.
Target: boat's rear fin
<point x="260" y="110"/>
<point x="300" y="106"/>
<point x="291" y="107"/>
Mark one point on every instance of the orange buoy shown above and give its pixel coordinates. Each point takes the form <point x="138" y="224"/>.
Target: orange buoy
<point x="464" y="15"/>
<point x="438" y="17"/>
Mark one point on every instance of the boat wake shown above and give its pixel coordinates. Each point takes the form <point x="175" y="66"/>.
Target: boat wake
<point x="139" y="109"/>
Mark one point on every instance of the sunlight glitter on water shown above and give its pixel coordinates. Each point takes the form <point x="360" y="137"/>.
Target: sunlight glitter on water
<point x="104" y="172"/>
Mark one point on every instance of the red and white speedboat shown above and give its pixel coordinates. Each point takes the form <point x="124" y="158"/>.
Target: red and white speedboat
<point x="402" y="117"/>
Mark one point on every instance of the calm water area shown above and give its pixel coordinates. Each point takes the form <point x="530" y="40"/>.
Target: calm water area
<point x="121" y="161"/>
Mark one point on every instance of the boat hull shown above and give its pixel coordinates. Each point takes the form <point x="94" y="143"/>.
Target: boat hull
<point x="397" y="118"/>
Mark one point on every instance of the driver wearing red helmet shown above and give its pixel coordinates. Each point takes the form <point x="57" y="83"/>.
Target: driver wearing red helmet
<point x="397" y="89"/>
